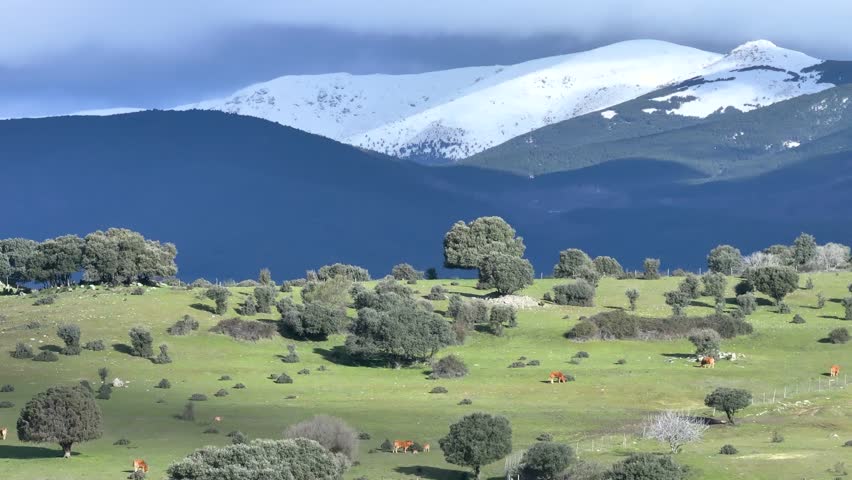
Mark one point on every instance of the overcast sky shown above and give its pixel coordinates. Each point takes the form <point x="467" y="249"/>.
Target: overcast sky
<point x="59" y="56"/>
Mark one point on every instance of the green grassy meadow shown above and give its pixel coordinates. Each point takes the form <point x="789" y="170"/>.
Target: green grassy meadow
<point x="599" y="414"/>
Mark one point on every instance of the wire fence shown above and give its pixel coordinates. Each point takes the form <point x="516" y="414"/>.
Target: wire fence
<point x="818" y="385"/>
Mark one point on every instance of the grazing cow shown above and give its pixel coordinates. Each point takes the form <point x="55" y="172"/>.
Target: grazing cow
<point x="708" y="362"/>
<point x="835" y="371"/>
<point x="558" y="376"/>
<point x="3" y="432"/>
<point x="218" y="419"/>
<point x="403" y="445"/>
<point x="426" y="448"/>
<point x="140" y="464"/>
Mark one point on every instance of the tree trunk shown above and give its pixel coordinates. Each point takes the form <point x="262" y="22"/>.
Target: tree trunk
<point x="730" y="417"/>
<point x="476" y="472"/>
<point x="66" y="449"/>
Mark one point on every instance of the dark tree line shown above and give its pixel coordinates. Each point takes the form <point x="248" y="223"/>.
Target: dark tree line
<point x="116" y="256"/>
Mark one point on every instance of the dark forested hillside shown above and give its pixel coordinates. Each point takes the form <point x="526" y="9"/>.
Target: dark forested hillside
<point x="238" y="193"/>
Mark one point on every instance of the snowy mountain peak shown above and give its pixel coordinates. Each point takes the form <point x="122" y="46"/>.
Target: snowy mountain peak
<point x="766" y="53"/>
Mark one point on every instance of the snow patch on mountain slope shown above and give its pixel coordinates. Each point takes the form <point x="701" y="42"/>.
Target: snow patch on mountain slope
<point x="609" y="114"/>
<point x="753" y="75"/>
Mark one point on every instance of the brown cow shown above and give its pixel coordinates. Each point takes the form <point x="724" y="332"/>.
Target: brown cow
<point x="140" y="464"/>
<point x="3" y="432"/>
<point x="708" y="362"/>
<point x="403" y="445"/>
<point x="835" y="371"/>
<point x="558" y="376"/>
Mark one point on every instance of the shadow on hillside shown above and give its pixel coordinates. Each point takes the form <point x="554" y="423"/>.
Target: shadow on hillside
<point x="122" y="348"/>
<point x="678" y="355"/>
<point x="697" y="303"/>
<point x="482" y="296"/>
<point x="203" y="308"/>
<point x="20" y="452"/>
<point x="433" y="473"/>
<point x="835" y="300"/>
<point x="338" y="355"/>
<point x="763" y="302"/>
<point x="51" y="348"/>
<point x="832" y="317"/>
<point x="611" y="307"/>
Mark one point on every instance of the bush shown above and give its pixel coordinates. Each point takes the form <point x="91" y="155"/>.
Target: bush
<point x="581" y="354"/>
<point x="706" y="341"/>
<point x="450" y="366"/>
<point x="678" y="300"/>
<point x="70" y="334"/>
<point x="405" y="272"/>
<point x="847" y="305"/>
<point x="584" y="330"/>
<point x="571" y="262"/>
<point x="437" y="292"/>
<point x="22" y="351"/>
<point x="776" y="282"/>
<point x="728" y="400"/>
<point x="747" y="302"/>
<point x="776" y="437"/>
<point x="545" y="460"/>
<point x="6" y="404"/>
<point x="45" y="300"/>
<point x="518" y="365"/>
<point x="473" y="312"/>
<point x="248" y="330"/>
<point x="164" y="384"/>
<point x="121" y="442"/>
<point x="331" y="432"/>
<point x="533" y="363"/>
<point x="211" y="431"/>
<point x="350" y="272"/>
<point x="632" y="296"/>
<point x="188" y="413"/>
<point x="221" y="393"/>
<point x="303" y="371"/>
<point x="7" y="388"/>
<point x="783" y="308"/>
<point x="838" y="335"/>
<point x="544" y="437"/>
<point x="438" y="390"/>
<point x="725" y="259"/>
<point x="798" y="319"/>
<point x="138" y="291"/>
<point x="141" y="342"/>
<point x="642" y="466"/>
<point x="225" y="378"/>
<point x="219" y="295"/>
<point x="579" y="293"/>
<point x="315" y="320"/>
<point x="33" y="325"/>
<point x="743" y="287"/>
<point x="848" y="443"/>
<point x="728" y="449"/>
<point x="163" y="357"/>
<point x="239" y="386"/>
<point x="691" y="286"/>
<point x="621" y="361"/>
<point x="249" y="307"/>
<point x="95" y="346"/>
<point x="104" y="392"/>
<point x="651" y="268"/>
<point x="283" y="378"/>
<point x="264" y="296"/>
<point x="619" y="324"/>
<point x="291" y="356"/>
<point x="198" y="397"/>
<point x="238" y="438"/>
<point x="608" y="267"/>
<point x="46" y="356"/>
<point x="466" y="401"/>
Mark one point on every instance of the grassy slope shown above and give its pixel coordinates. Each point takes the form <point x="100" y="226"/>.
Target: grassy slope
<point x="606" y="401"/>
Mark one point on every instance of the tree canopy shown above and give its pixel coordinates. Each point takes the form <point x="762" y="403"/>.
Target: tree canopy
<point x="505" y="273"/>
<point x="63" y="415"/>
<point x="466" y="244"/>
<point x="477" y="440"/>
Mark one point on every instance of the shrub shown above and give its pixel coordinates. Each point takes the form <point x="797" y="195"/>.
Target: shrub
<point x="221" y="393"/>
<point x="95" y="346"/>
<point x="641" y="466"/>
<point x="706" y="341"/>
<point x="198" y="397"/>
<point x="46" y="356"/>
<point x="219" y="295"/>
<point x="798" y="319"/>
<point x="238" y="438"/>
<point x="239" y="386"/>
<point x="141" y="342"/>
<point x="775" y="282"/>
<point x="316" y="320"/>
<point x="747" y="303"/>
<point x="728" y="400"/>
<point x="7" y="388"/>
<point x="581" y="354"/>
<point x="45" y="300"/>
<point x="621" y="361"/>
<point x="248" y="330"/>
<point x="364" y="436"/>
<point x="544" y="437"/>
<point x="545" y="460"/>
<point x="579" y="293"/>
<point x="104" y="392"/>
<point x="283" y="378"/>
<point x="466" y="401"/>
<point x="405" y="272"/>
<point x="533" y="363"/>
<point x="607" y="266"/>
<point x="249" y="307"/>
<point x="88" y="386"/>
<point x="473" y="312"/>
<point x="437" y="292"/>
<point x="584" y="330"/>
<point x="264" y="296"/>
<point x="571" y="261"/>
<point x="632" y="296"/>
<point x="22" y="351"/>
<point x="691" y="286"/>
<point x="809" y="284"/>
<point x="725" y="259"/>
<point x="438" y="390"/>
<point x="303" y="371"/>
<point x="776" y="437"/>
<point x="838" y="335"/>
<point x="225" y="378"/>
<point x="163" y="357"/>
<point x="450" y="366"/>
<point x="291" y="356"/>
<point x="743" y="287"/>
<point x="674" y="429"/>
<point x="211" y="431"/>
<point x="70" y="334"/>
<point x="164" y="384"/>
<point x="103" y="373"/>
<point x="331" y="432"/>
<point x="783" y="308"/>
<point x="847" y="305"/>
<point x="201" y="283"/>
<point x="121" y="442"/>
<point x="138" y="291"/>
<point x="431" y="273"/>
<point x="188" y="413"/>
<point x="651" y="268"/>
<point x="518" y="365"/>
<point x="353" y="273"/>
<point x="33" y="325"/>
<point x="6" y="404"/>
<point x="728" y="449"/>
<point x="848" y="443"/>
<point x="678" y="300"/>
<point x="590" y="275"/>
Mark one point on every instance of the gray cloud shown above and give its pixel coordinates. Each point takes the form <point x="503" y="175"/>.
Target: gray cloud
<point x="61" y="55"/>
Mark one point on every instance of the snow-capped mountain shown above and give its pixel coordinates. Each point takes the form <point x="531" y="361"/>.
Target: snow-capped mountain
<point x="454" y="114"/>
